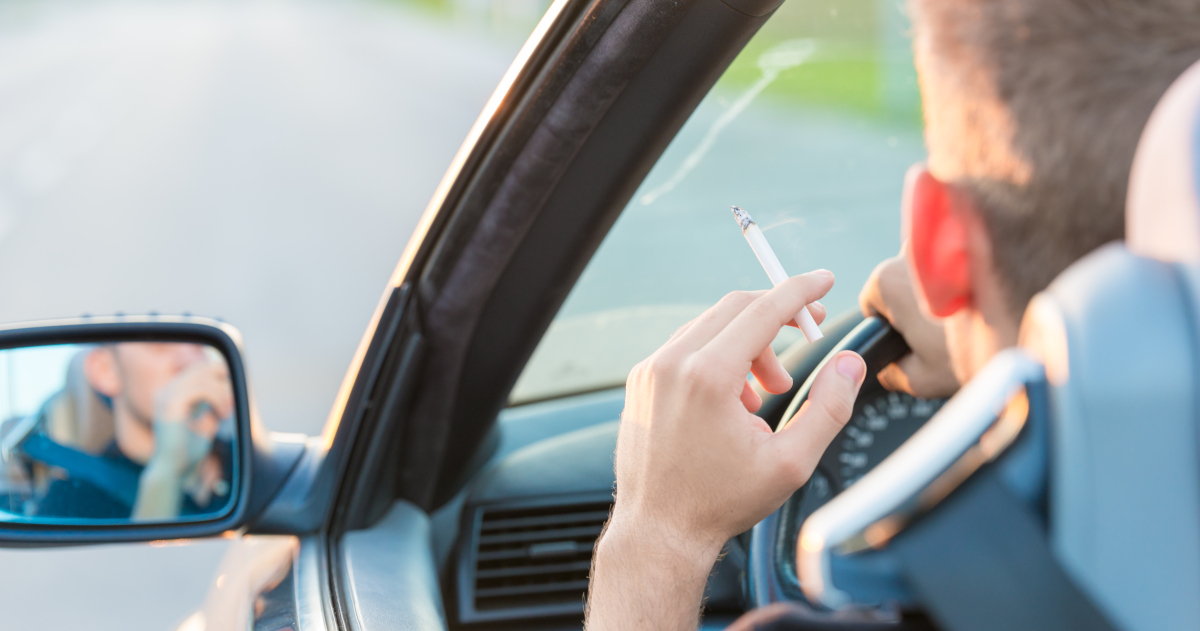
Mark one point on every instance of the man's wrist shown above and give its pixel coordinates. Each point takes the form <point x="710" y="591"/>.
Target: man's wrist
<point x="646" y="575"/>
<point x="629" y="533"/>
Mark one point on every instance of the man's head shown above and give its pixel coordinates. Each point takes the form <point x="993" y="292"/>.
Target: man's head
<point x="132" y="374"/>
<point x="1033" y="111"/>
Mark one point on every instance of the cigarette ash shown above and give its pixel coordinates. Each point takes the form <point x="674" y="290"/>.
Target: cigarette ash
<point x="742" y="217"/>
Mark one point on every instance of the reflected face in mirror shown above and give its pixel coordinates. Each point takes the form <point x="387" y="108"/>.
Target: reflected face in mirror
<point x="168" y="382"/>
<point x="130" y="430"/>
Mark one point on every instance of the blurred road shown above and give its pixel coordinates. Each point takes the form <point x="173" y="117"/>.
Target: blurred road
<point x="259" y="161"/>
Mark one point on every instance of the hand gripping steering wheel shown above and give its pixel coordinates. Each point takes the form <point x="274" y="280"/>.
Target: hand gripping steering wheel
<point x="841" y="546"/>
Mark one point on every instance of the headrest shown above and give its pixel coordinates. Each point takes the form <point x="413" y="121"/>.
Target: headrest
<point x="1162" y="210"/>
<point x="1116" y="332"/>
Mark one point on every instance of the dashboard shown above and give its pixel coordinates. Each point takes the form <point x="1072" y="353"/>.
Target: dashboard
<point x="515" y="547"/>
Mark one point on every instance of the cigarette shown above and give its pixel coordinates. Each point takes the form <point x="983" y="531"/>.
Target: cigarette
<point x="770" y="262"/>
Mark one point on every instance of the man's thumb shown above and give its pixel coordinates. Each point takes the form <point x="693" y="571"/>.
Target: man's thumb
<point x="823" y="415"/>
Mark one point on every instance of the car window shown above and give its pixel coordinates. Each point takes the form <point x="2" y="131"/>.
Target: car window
<point x="810" y="130"/>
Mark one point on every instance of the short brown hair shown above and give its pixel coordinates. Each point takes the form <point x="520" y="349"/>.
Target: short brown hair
<point x="1035" y="107"/>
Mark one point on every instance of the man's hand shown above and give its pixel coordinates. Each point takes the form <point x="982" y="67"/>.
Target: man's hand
<point x="187" y="413"/>
<point x="194" y="402"/>
<point x="926" y="372"/>
<point x="201" y="384"/>
<point x="695" y="466"/>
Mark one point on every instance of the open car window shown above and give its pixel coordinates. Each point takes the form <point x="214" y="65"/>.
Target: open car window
<point x="810" y="130"/>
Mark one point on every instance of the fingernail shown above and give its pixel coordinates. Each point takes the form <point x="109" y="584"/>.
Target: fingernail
<point x="852" y="367"/>
<point x="824" y="272"/>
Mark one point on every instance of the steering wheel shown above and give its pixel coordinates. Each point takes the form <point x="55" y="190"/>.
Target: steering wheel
<point x="866" y="549"/>
<point x="881" y="422"/>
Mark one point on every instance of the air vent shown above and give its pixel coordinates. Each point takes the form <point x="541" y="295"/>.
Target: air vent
<point x="529" y="562"/>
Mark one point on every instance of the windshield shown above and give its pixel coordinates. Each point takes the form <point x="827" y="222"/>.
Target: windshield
<point x="810" y="130"/>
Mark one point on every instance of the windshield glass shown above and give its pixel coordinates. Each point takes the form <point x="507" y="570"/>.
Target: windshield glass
<point x="810" y="130"/>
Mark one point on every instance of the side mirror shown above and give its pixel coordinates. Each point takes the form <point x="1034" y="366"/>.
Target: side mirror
<point x="122" y="429"/>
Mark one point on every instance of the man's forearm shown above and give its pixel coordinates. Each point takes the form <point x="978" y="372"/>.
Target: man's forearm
<point x="647" y="580"/>
<point x="159" y="493"/>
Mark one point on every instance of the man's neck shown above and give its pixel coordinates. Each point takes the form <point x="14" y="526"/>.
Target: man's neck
<point x="135" y="438"/>
<point x="973" y="339"/>
<point x="987" y="325"/>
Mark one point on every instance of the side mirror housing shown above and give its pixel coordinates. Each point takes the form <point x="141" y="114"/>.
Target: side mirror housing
<point x="129" y="429"/>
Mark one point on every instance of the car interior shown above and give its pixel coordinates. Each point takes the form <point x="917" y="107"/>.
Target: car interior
<point x="513" y="547"/>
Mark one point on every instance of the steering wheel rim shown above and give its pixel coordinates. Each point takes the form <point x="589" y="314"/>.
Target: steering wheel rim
<point x="772" y="545"/>
<point x="768" y="553"/>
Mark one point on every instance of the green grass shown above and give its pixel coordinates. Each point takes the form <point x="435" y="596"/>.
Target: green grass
<point x="862" y="63"/>
<point x="843" y="80"/>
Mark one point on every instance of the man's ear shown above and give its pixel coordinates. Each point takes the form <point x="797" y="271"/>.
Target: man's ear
<point x="938" y="251"/>
<point x="100" y="370"/>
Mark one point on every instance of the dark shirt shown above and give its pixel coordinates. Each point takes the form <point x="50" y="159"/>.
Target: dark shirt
<point x="79" y="498"/>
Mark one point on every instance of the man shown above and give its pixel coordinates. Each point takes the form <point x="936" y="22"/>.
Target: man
<point x="1033" y="110"/>
<point x="167" y="403"/>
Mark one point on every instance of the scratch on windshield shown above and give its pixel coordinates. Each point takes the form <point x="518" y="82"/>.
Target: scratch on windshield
<point x="775" y="60"/>
<point x="799" y="221"/>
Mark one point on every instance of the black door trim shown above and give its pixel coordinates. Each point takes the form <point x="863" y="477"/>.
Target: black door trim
<point x="591" y="104"/>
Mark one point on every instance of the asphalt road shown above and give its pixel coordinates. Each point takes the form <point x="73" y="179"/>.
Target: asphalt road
<point x="261" y="161"/>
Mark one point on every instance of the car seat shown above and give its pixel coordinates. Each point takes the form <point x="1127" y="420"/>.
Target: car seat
<point x="1119" y="334"/>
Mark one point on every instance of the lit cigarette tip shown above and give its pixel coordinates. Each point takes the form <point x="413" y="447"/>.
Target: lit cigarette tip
<point x="742" y="217"/>
<point x="770" y="262"/>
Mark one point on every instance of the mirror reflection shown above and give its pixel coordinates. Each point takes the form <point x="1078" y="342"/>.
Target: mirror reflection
<point x="141" y="431"/>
